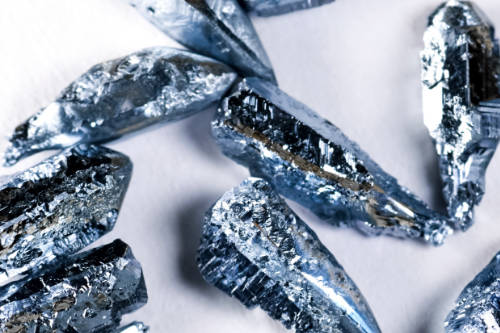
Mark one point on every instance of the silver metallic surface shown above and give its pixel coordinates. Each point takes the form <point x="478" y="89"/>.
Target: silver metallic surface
<point x="460" y="73"/>
<point x="135" y="327"/>
<point x="477" y="309"/>
<point x="255" y="248"/>
<point x="87" y="293"/>
<point x="59" y="206"/>
<point x="278" y="7"/>
<point x="216" y="28"/>
<point x="123" y="95"/>
<point x="311" y="161"/>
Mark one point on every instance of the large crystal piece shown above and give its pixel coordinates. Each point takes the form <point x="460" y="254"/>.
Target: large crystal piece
<point x="123" y="95"/>
<point x="59" y="206"/>
<point x="87" y="293"/>
<point x="278" y="7"/>
<point x="477" y="308"/>
<point x="135" y="327"/>
<point x="255" y="248"/>
<point x="216" y="28"/>
<point x="311" y="161"/>
<point x="460" y="75"/>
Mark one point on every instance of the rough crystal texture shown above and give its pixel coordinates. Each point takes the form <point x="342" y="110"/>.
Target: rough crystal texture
<point x="59" y="206"/>
<point x="216" y="28"/>
<point x="123" y="95"/>
<point x="278" y="7"/>
<point x="477" y="308"/>
<point x="87" y="293"/>
<point x="135" y="327"/>
<point x="311" y="161"/>
<point x="255" y="248"/>
<point x="460" y="73"/>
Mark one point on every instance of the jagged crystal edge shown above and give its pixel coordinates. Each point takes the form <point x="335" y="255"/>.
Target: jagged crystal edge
<point x="87" y="293"/>
<point x="135" y="327"/>
<point x="279" y="7"/>
<point x="460" y="74"/>
<point x="59" y="206"/>
<point x="123" y="95"/>
<point x="255" y="248"/>
<point x="311" y="161"/>
<point x="216" y="28"/>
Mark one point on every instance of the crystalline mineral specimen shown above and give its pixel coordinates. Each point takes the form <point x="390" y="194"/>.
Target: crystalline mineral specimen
<point x="135" y="327"/>
<point x="278" y="7"/>
<point x="87" y="293"/>
<point x="477" y="308"/>
<point x="123" y="95"/>
<point x="256" y="249"/>
<point x="216" y="28"/>
<point x="311" y="161"/>
<point x="460" y="75"/>
<point x="59" y="206"/>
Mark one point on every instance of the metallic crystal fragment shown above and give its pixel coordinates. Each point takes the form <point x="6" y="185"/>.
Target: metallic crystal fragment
<point x="477" y="308"/>
<point x="278" y="7"/>
<point x="59" y="206"/>
<point x="87" y="293"/>
<point x="123" y="95"/>
<point x="255" y="248"/>
<point x="311" y="161"/>
<point x="460" y="74"/>
<point x="135" y="327"/>
<point x="216" y="28"/>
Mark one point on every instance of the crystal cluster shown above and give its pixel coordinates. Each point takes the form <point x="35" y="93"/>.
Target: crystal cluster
<point x="87" y="293"/>
<point x="123" y="95"/>
<point x="278" y="7"/>
<point x="311" y="161"/>
<point x="461" y="69"/>
<point x="216" y="28"/>
<point x="135" y="327"/>
<point x="256" y="249"/>
<point x="59" y="206"/>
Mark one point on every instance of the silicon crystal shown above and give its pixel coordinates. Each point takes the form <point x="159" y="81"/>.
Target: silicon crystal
<point x="278" y="7"/>
<point x="135" y="327"/>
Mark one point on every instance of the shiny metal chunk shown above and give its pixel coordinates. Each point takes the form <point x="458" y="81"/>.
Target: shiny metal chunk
<point x="278" y="7"/>
<point x="135" y="327"/>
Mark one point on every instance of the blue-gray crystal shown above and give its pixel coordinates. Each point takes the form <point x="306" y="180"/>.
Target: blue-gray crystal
<point x="255" y="248"/>
<point x="311" y="161"/>
<point x="216" y="28"/>
<point x="477" y="309"/>
<point x="59" y="206"/>
<point x="123" y="95"/>
<point x="278" y="7"/>
<point x="460" y="74"/>
<point x="86" y="293"/>
<point x="135" y="327"/>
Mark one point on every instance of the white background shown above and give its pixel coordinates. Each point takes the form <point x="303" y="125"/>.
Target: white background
<point x="355" y="62"/>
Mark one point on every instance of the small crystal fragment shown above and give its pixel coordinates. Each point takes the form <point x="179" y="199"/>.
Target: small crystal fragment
<point x="135" y="327"/>
<point x="278" y="7"/>
<point x="216" y="28"/>
<point x="59" y="206"/>
<point x="477" y="308"/>
<point x="460" y="73"/>
<point x="255" y="248"/>
<point x="87" y="293"/>
<point x="123" y="95"/>
<point x="311" y="161"/>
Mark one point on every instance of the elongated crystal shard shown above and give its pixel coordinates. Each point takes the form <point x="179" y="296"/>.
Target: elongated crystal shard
<point x="477" y="308"/>
<point x="216" y="28"/>
<point x="87" y="293"/>
<point x="135" y="327"/>
<point x="255" y="248"/>
<point x="59" y="206"/>
<point x="278" y="7"/>
<point x="311" y="161"/>
<point x="460" y="73"/>
<point x="123" y="95"/>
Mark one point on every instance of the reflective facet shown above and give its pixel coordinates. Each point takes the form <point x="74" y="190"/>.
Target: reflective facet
<point x="135" y="327"/>
<point x="123" y="95"/>
<point x="278" y="7"/>
<point x="255" y="248"/>
<point x="59" y="206"/>
<point x="461" y="66"/>
<point x="311" y="161"/>
<point x="87" y="293"/>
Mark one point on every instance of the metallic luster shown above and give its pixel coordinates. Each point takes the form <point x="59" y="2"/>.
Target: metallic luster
<point x="460" y="74"/>
<point x="123" y="95"/>
<point x="59" y="206"/>
<point x="255" y="248"/>
<point x="311" y="161"/>
<point x="216" y="28"/>
<point x="135" y="327"/>
<point x="278" y="7"/>
<point x="87" y="293"/>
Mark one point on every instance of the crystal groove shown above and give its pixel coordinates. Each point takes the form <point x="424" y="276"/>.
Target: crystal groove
<point x="278" y="7"/>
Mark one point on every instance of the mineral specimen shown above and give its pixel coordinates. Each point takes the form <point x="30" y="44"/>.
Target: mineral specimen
<point x="216" y="28"/>
<point x="461" y="67"/>
<point x="123" y="95"/>
<point x="59" y="206"/>
<point x="256" y="249"/>
<point x="311" y="161"/>
<point x="278" y="7"/>
<point x="477" y="308"/>
<point x="135" y="327"/>
<point x="87" y="293"/>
